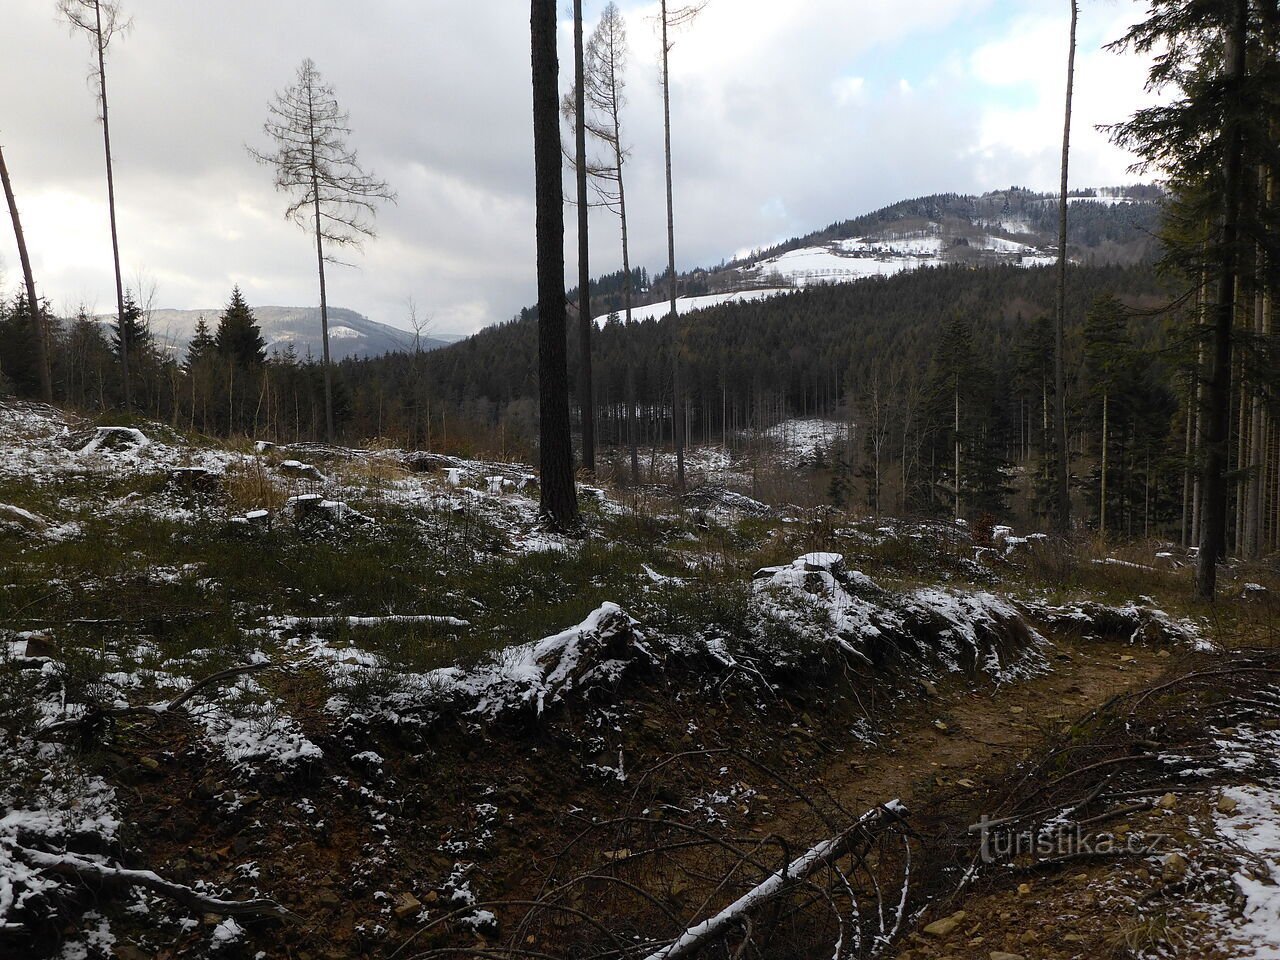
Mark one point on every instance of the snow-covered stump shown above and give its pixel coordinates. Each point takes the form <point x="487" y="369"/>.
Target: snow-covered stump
<point x="195" y="480"/>
<point x="23" y="521"/>
<point x="125" y="440"/>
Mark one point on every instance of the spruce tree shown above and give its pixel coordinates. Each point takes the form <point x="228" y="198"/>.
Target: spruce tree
<point x="239" y="338"/>
<point x="201" y="346"/>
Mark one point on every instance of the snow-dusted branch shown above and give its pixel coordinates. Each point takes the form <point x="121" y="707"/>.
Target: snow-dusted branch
<point x="824" y="854"/>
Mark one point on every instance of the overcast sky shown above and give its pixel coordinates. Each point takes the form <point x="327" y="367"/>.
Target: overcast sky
<point x="787" y="116"/>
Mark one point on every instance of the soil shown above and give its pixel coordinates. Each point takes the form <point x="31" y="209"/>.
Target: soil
<point x="512" y="803"/>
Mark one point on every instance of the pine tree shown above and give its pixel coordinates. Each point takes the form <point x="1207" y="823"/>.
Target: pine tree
<point x="239" y="338"/>
<point x="201" y="347"/>
<point x="131" y="332"/>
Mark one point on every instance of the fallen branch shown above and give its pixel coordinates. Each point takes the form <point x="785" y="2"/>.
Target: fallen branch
<point x="799" y="870"/>
<point x="82" y="868"/>
<point x="93" y="713"/>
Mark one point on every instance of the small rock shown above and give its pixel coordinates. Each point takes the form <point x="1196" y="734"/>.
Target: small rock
<point x="966" y="783"/>
<point x="928" y="687"/>
<point x="41" y="646"/>
<point x="1024" y="889"/>
<point x="1168" y="801"/>
<point x="945" y="926"/>
<point x="1073" y="938"/>
<point x="407" y="905"/>
<point x="1016" y="710"/>
<point x="1001" y="955"/>
<point x="151" y="763"/>
<point x="1164" y="654"/>
<point x="327" y="898"/>
<point x="1227" y="805"/>
<point x="939" y="725"/>
<point x="1175" y="867"/>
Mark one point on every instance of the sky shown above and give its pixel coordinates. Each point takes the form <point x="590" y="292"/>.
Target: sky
<point x="786" y="117"/>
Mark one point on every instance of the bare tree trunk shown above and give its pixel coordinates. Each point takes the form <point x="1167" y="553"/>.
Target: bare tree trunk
<point x="1063" y="479"/>
<point x="324" y="326"/>
<point x="586" y="395"/>
<point x="677" y="418"/>
<point x="1254" y="506"/>
<point x="111" y="209"/>
<point x="1217" y="420"/>
<point x="37" y="324"/>
<point x="957" y="432"/>
<point x="559" y="495"/>
<point x="1102" y="500"/>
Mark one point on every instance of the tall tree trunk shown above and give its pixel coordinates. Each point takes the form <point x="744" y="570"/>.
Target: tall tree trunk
<point x="1063" y="478"/>
<point x="324" y="319"/>
<point x="37" y="324"/>
<point x="1217" y="419"/>
<point x="677" y="417"/>
<point x="111" y="210"/>
<point x="586" y="396"/>
<point x="559" y="495"/>
<point x="1102" y="499"/>
<point x="1254" y="506"/>
<point x="957" y="431"/>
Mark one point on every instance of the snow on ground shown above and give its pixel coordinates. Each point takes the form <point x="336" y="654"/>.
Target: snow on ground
<point x="656" y="311"/>
<point x="810" y="265"/>
<point x="800" y="440"/>
<point x="1254" y="826"/>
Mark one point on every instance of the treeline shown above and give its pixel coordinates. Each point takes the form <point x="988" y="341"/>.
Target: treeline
<point x="224" y="384"/>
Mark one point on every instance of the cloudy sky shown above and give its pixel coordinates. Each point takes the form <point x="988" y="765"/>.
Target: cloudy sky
<point x="787" y="116"/>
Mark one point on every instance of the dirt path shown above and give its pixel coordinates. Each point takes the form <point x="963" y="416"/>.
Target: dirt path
<point x="965" y="734"/>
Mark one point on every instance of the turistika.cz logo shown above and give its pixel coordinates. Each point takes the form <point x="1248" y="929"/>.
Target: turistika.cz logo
<point x="999" y="842"/>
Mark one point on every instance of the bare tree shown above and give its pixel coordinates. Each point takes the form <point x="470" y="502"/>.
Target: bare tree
<point x="555" y="442"/>
<point x="671" y="20"/>
<point x="37" y="324"/>
<point x="604" y="85"/>
<point x="1062" y="480"/>
<point x="586" y="394"/>
<point x="101" y="22"/>
<point x="331" y="193"/>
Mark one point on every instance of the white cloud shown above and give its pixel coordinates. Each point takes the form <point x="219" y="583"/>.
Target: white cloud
<point x="786" y="117"/>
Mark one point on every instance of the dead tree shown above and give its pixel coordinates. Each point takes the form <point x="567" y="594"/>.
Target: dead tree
<point x="604" y="86"/>
<point x="672" y="19"/>
<point x="586" y="394"/>
<point x="1062" y="478"/>
<point x="331" y="193"/>
<point x="37" y="325"/>
<point x="100" y="21"/>
<point x="555" y="444"/>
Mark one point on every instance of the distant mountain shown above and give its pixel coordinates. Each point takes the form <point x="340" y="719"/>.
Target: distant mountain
<point x="1113" y="225"/>
<point x="350" y="334"/>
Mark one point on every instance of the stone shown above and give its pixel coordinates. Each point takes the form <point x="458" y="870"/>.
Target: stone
<point x="1175" y="867"/>
<point x="151" y="763"/>
<point x="1024" y="889"/>
<point x="327" y="898"/>
<point x="1001" y="955"/>
<point x="406" y="905"/>
<point x="1226" y="805"/>
<point x="1168" y="801"/>
<point x="928" y="687"/>
<point x="940" y="726"/>
<point x="945" y="926"/>
<point x="40" y="646"/>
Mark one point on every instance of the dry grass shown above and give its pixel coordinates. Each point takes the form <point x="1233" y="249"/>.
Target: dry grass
<point x="251" y="485"/>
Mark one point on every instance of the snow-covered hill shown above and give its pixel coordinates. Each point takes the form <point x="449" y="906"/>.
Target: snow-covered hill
<point x="1007" y="227"/>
